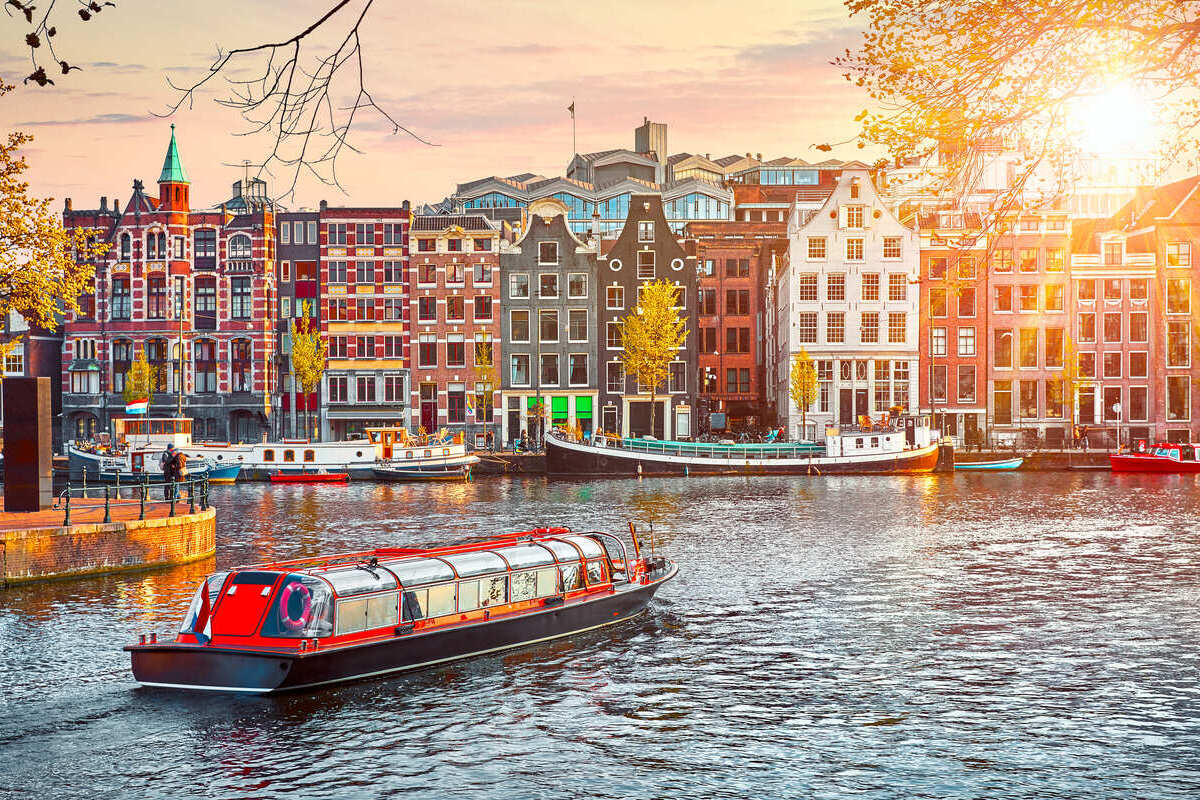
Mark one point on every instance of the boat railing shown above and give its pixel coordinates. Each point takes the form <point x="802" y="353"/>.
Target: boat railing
<point x="714" y="450"/>
<point x="123" y="497"/>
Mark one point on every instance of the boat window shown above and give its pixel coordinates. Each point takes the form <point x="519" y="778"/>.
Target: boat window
<point x="468" y="595"/>
<point x="373" y="436"/>
<point x="525" y="555"/>
<point x="590" y="547"/>
<point x="350" y="582"/>
<point x="289" y="456"/>
<point x="415" y="603"/>
<point x="428" y="453"/>
<point x="213" y="587"/>
<point x="858" y="442"/>
<point x="310" y="456"/>
<point x="493" y="591"/>
<point x="268" y="455"/>
<point x="358" y="453"/>
<point x="301" y="608"/>
<point x="595" y="572"/>
<point x="417" y="571"/>
<point x="572" y="577"/>
<point x="367" y="613"/>
<point x="441" y="600"/>
<point x="408" y="454"/>
<point x="534" y="583"/>
<point x="563" y="551"/>
<point x="470" y="564"/>
<point x="874" y="441"/>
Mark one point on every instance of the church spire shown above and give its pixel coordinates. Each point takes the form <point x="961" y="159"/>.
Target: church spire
<point x="172" y="171"/>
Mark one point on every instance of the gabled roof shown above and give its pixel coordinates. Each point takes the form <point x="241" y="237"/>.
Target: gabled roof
<point x="172" y="171"/>
<point x="725" y="161"/>
<point x="1160" y="203"/>
<point x="440" y="222"/>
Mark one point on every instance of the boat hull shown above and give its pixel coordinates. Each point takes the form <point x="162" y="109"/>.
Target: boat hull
<point x="309" y="477"/>
<point x="185" y="666"/>
<point x="1133" y="462"/>
<point x="1006" y="464"/>
<point x="566" y="459"/>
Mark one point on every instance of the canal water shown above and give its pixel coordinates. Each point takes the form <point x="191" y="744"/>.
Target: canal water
<point x="1021" y="635"/>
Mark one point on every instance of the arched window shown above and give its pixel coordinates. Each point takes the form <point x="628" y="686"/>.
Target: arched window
<point x="122" y="356"/>
<point x="126" y="247"/>
<point x="240" y="372"/>
<point x="206" y="303"/>
<point x="151" y="246"/>
<point x="239" y="246"/>
<point x="156" y="354"/>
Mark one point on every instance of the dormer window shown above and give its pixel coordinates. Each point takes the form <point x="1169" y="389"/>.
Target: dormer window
<point x="645" y="231"/>
<point x="854" y="190"/>
<point x="854" y="216"/>
<point x="1113" y="253"/>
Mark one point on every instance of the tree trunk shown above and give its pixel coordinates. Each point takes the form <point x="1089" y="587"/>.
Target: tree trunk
<point x="652" y="410"/>
<point x="803" y="422"/>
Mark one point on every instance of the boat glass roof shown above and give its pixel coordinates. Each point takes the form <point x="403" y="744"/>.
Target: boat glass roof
<point x="347" y="582"/>
<point x="590" y="547"/>
<point x="526" y="555"/>
<point x="562" y="550"/>
<point x="414" y="571"/>
<point x="480" y="563"/>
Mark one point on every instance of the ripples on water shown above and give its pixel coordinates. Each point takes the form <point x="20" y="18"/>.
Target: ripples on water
<point x="1029" y="635"/>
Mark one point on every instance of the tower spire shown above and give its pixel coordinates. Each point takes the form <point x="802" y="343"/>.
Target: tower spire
<point x="172" y="171"/>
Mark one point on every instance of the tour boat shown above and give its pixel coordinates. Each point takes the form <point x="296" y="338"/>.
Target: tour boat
<point x="1161" y="457"/>
<point x="309" y="477"/>
<point x="131" y="454"/>
<point x="1002" y="464"/>
<point x="904" y="445"/>
<point x="315" y="621"/>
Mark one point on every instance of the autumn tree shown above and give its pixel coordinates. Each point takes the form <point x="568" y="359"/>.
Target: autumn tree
<point x="802" y="386"/>
<point x="485" y="375"/>
<point x="308" y="355"/>
<point x="44" y="268"/>
<point x="140" y="380"/>
<point x="651" y="336"/>
<point x="953" y="80"/>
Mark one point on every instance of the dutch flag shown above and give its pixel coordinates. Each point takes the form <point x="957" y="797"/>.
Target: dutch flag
<point x="137" y="406"/>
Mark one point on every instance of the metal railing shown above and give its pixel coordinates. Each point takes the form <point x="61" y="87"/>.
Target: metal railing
<point x="708" y="450"/>
<point x="126" y="495"/>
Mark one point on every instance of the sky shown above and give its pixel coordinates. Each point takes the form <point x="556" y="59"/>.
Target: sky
<point x="487" y="83"/>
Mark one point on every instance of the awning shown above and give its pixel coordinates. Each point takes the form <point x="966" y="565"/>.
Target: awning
<point x="558" y="409"/>
<point x="583" y="408"/>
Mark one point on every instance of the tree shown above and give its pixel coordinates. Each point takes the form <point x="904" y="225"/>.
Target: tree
<point x="651" y="336"/>
<point x="1066" y="383"/>
<point x="802" y="386"/>
<point x="308" y="355"/>
<point x="140" y="379"/>
<point x="485" y="374"/>
<point x="956" y="79"/>
<point x="44" y="268"/>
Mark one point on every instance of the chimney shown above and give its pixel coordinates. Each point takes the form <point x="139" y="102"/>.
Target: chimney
<point x="405" y="206"/>
<point x="596" y="229"/>
<point x="747" y="155"/>
<point x="758" y="156"/>
<point x="116" y="207"/>
<point x="324" y="205"/>
<point x="67" y="204"/>
<point x="103" y="203"/>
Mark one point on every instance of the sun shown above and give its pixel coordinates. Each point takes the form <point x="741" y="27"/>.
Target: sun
<point x="1120" y="119"/>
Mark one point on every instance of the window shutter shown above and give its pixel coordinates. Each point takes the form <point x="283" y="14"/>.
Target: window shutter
<point x="841" y="216"/>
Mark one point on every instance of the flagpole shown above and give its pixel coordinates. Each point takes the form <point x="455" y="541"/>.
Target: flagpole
<point x="574" y="147"/>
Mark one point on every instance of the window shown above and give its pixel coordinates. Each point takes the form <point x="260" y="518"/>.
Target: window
<point x="1029" y="298"/>
<point x="520" y="369"/>
<point x="393" y="347"/>
<point x="338" y="347"/>
<point x="966" y="383"/>
<point x="364" y="309"/>
<point x="547" y="252"/>
<point x="737" y="340"/>
<point x="456" y="352"/>
<point x="1029" y="399"/>
<point x="518" y="325"/>
<point x="897" y="327"/>
<point x="1029" y="259"/>
<point x="937" y="302"/>
<point x="393" y="233"/>
<point x="483" y="349"/>
<point x="455" y="273"/>
<point x="121" y="303"/>
<point x="577" y="285"/>
<point x="737" y="267"/>
<point x="1002" y="402"/>
<point x="364" y="389"/>
<point x="1054" y="348"/>
<point x="156" y="300"/>
<point x="1004" y="298"/>
<point x="547" y="326"/>
<point x="1029" y="224"/>
<point x="1086" y="289"/>
<point x="870" y="286"/>
<point x="481" y="274"/>
<point x="482" y="245"/>
<point x="1054" y="259"/>
<point x="939" y="383"/>
<point x="897" y="286"/>
<point x="1112" y="253"/>
<point x="454" y="245"/>
<point x="816" y="247"/>
<point x="806" y="327"/>
<point x="645" y="264"/>
<point x="1002" y="349"/>
<point x="1138" y="363"/>
<point x="240" y="363"/>
<point x="312" y="233"/>
<point x="1178" y="397"/>
<point x="966" y="267"/>
<point x="393" y="392"/>
<point x="239" y="247"/>
<point x="579" y="369"/>
<point x="737" y="301"/>
<point x="518" y="286"/>
<point x="966" y="301"/>
<point x="835" y="289"/>
<point x="706" y="267"/>
<point x="1138" y="327"/>
<point x="1086" y="364"/>
<point x="1087" y="327"/>
<point x="869" y="332"/>
<point x="1055" y="408"/>
<point x="1178" y="344"/>
<point x="426" y="309"/>
<point x="1179" y="254"/>
<point x="364" y="234"/>
<point x="156" y="246"/>
<point x="854" y="249"/>
<point x="577" y="325"/>
<point x="937" y="268"/>
<point x="1139" y="289"/>
<point x="364" y="271"/>
<point x="393" y="309"/>
<point x="364" y="346"/>
<point x="708" y="340"/>
<point x="1002" y="261"/>
<point x="427" y="350"/>
<point x="1112" y="289"/>
<point x="646" y="231"/>
<point x="1029" y="347"/>
<point x="938" y="343"/>
<point x="1112" y="326"/>
<point x="427" y="274"/>
<point x="241" y="299"/>
<point x="854" y="217"/>
<point x="891" y="247"/>
<point x="548" y="286"/>
<point x="483" y="307"/>
<point x="615" y="377"/>
<point x="806" y="286"/>
<point x="285" y="233"/>
<point x="456" y="399"/>
<point x="337" y="271"/>
<point x="835" y="327"/>
<point x="426" y="245"/>
<point x="1179" y="296"/>
<point x="549" y="372"/>
<point x="339" y="389"/>
<point x="1112" y="365"/>
<point x="1054" y="297"/>
<point x="615" y="299"/>
<point x="127" y="246"/>
<point x="1138" y="403"/>
<point x="456" y="308"/>
<point x="966" y="341"/>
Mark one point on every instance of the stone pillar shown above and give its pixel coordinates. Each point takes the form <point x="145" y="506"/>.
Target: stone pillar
<point x="27" y="451"/>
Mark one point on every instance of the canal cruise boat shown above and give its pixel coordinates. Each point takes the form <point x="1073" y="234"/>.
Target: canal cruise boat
<point x="133" y="451"/>
<point x="1161" y="457"/>
<point x="310" y="622"/>
<point x="905" y="444"/>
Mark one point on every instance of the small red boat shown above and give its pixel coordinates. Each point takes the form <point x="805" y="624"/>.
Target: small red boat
<point x="304" y="623"/>
<point x="309" y="477"/>
<point x="1162" y="457"/>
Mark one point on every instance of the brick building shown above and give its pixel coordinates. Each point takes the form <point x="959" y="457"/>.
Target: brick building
<point x="297" y="268"/>
<point x="646" y="250"/>
<point x="365" y="296"/>
<point x="194" y="291"/>
<point x="455" y="317"/>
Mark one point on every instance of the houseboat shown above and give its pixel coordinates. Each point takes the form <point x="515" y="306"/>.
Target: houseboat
<point x="1162" y="457"/>
<point x="905" y="445"/>
<point x="305" y="623"/>
<point x="131" y="454"/>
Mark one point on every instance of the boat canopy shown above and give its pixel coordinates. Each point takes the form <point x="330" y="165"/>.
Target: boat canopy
<point x="417" y="571"/>
<point x="590" y="547"/>
<point x="526" y="555"/>
<point x="470" y="564"/>
<point x="360" y="580"/>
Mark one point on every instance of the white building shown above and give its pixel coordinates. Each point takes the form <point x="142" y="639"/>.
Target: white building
<point x="847" y="294"/>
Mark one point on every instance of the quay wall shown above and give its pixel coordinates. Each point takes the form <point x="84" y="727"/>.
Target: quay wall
<point x="43" y="553"/>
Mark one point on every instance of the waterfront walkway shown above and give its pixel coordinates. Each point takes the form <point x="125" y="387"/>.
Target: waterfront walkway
<point x="89" y="511"/>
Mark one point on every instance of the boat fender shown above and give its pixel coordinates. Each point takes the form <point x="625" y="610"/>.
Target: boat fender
<point x="554" y="601"/>
<point x="305" y="614"/>
<point x="407" y="627"/>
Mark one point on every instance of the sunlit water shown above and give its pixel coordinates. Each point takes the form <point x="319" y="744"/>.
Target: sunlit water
<point x="1025" y="635"/>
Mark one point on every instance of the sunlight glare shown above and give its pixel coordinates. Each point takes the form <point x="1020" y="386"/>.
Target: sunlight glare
<point x="1120" y="119"/>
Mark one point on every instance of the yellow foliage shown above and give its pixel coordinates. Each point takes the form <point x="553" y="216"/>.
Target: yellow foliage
<point x="140" y="379"/>
<point x="651" y="337"/>
<point x="308" y="353"/>
<point x="803" y="384"/>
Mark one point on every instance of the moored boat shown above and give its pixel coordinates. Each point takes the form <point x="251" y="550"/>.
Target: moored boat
<point x="1161" y="457"/>
<point x="309" y="477"/>
<point x="997" y="465"/>
<point x="298" y="624"/>
<point x="905" y="445"/>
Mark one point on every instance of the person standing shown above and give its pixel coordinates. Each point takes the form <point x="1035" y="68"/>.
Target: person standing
<point x="169" y="461"/>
